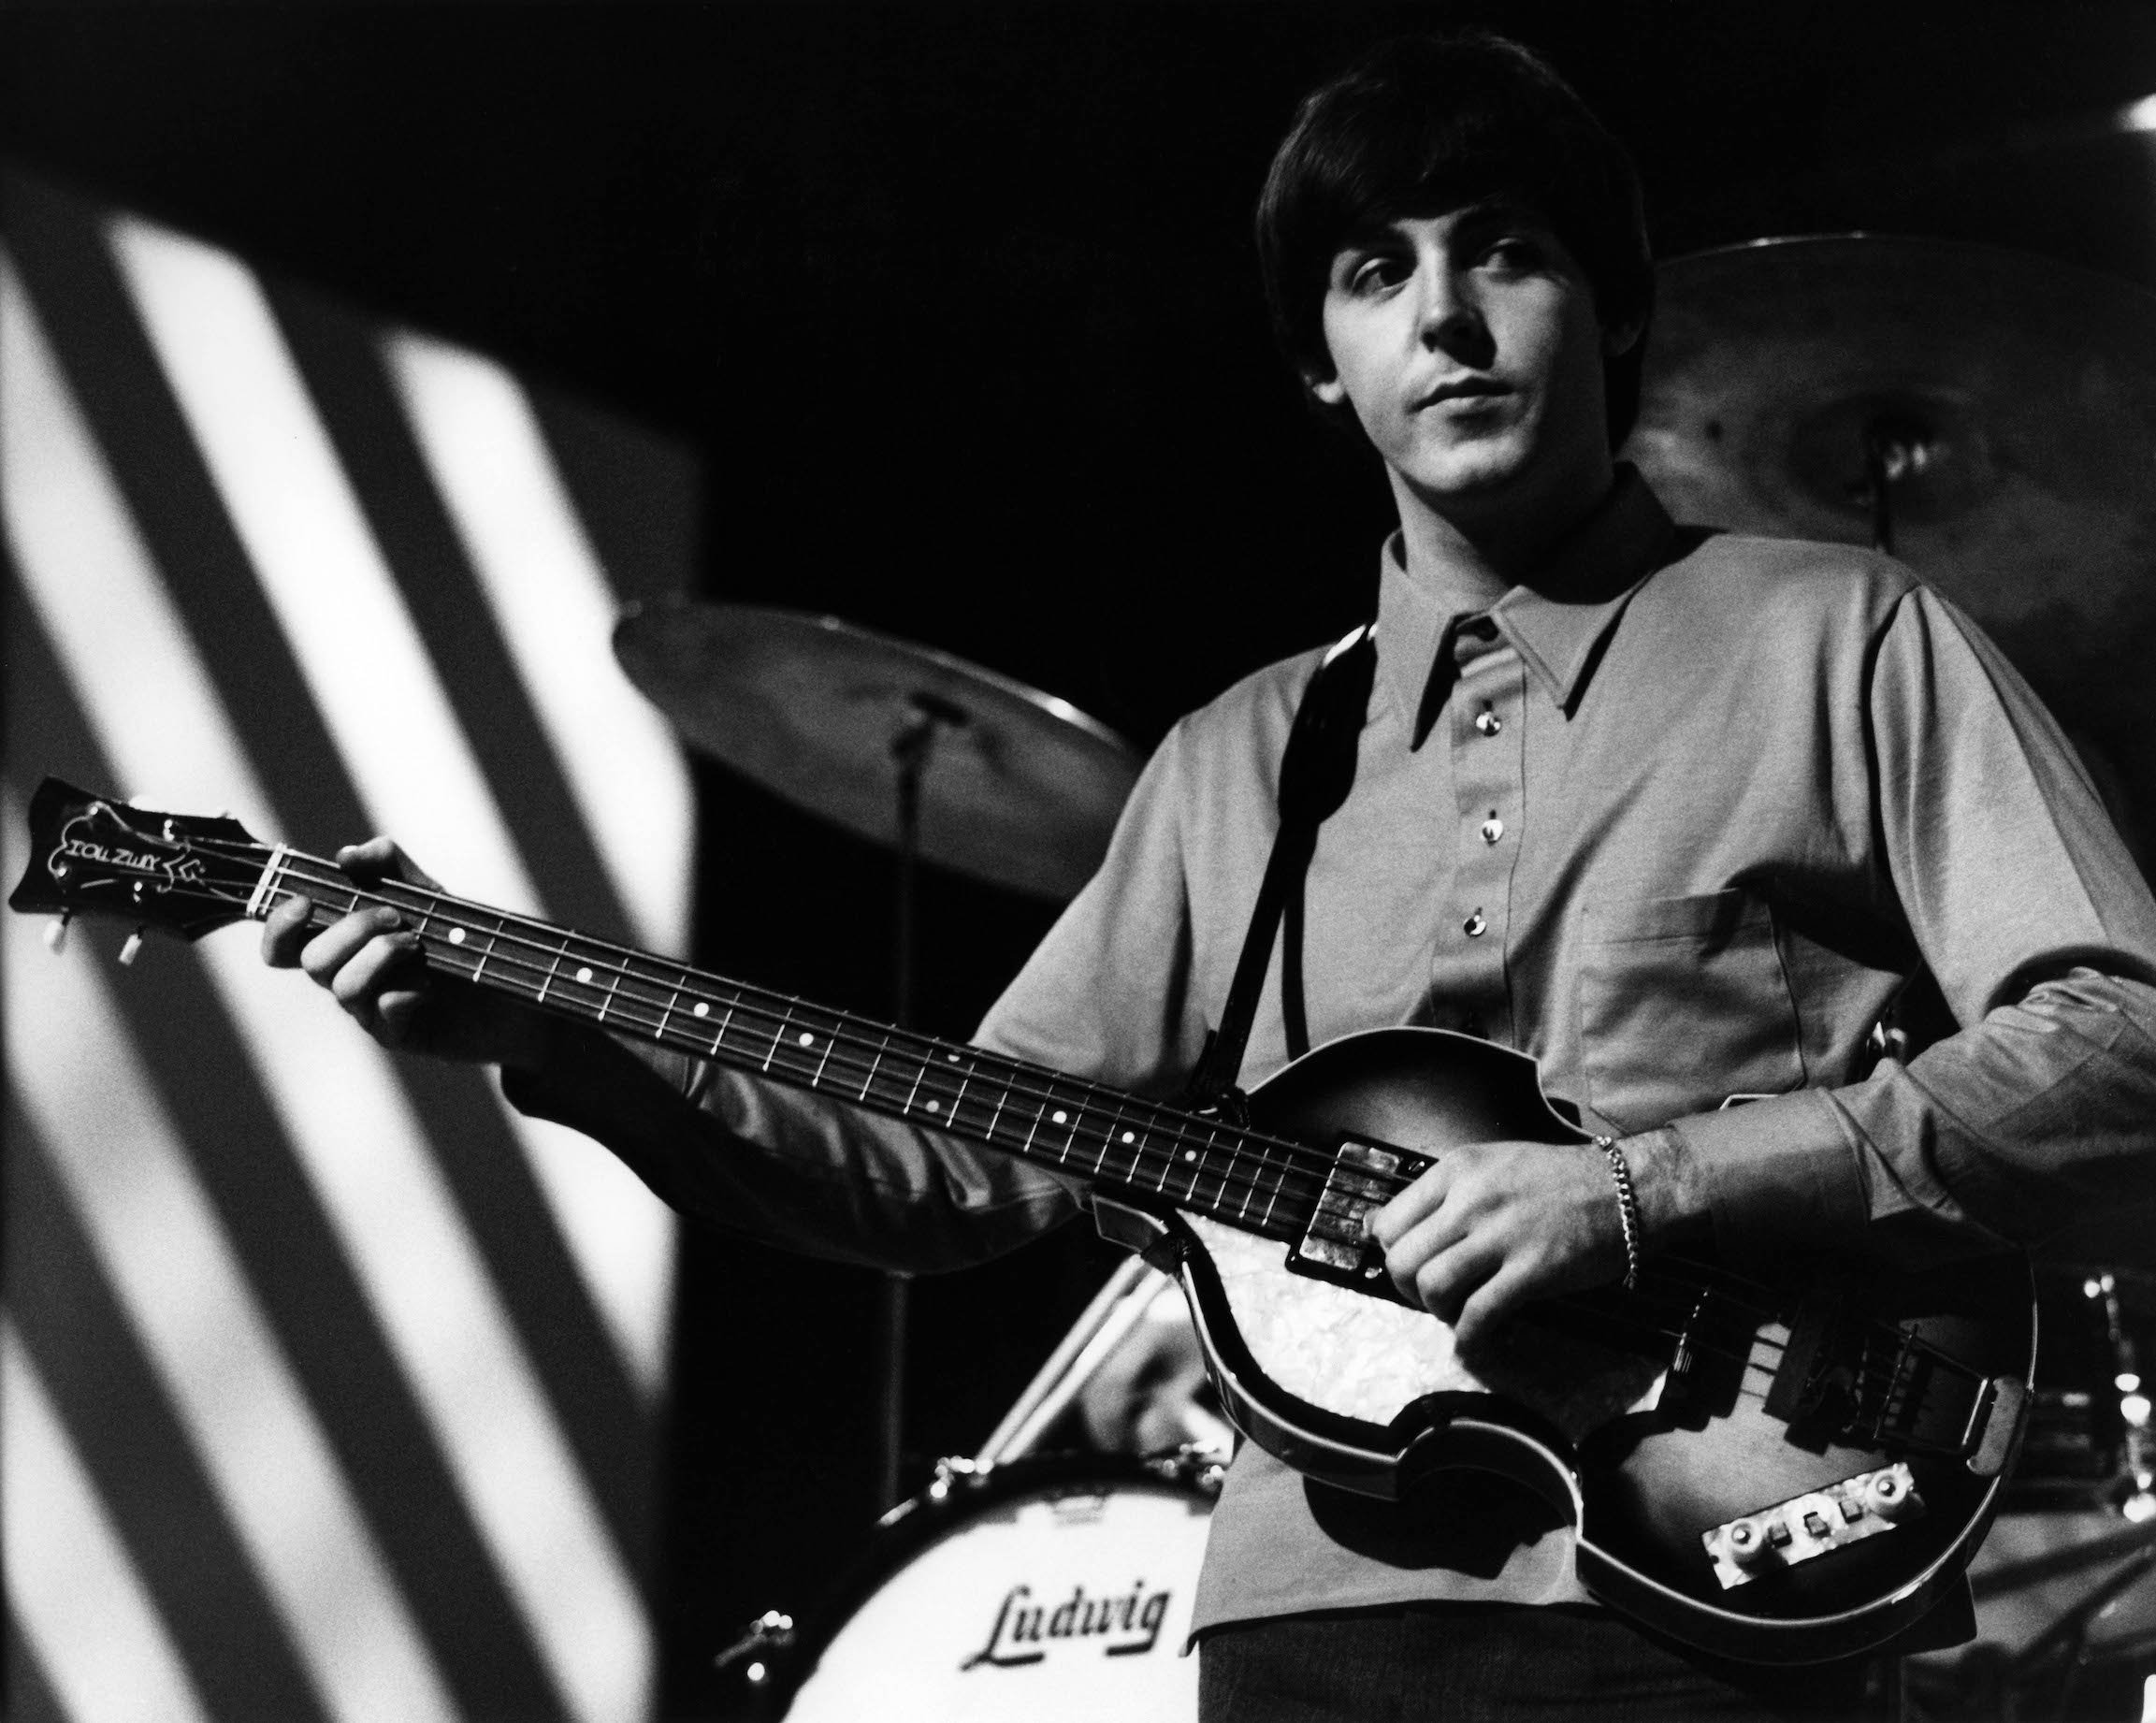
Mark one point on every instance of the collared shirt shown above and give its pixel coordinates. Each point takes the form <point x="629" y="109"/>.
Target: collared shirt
<point x="1680" y="820"/>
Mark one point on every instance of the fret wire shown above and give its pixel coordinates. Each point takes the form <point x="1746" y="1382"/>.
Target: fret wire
<point x="1265" y="1157"/>
<point x="1684" y="1290"/>
<point x="1274" y="1160"/>
<point x="1277" y="1159"/>
<point x="1269" y="1151"/>
<point x="1228" y="1179"/>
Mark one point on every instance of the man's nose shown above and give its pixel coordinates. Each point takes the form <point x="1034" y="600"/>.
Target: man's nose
<point x="1450" y="320"/>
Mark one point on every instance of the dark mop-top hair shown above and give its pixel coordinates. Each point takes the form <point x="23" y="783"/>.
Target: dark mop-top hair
<point x="1422" y="125"/>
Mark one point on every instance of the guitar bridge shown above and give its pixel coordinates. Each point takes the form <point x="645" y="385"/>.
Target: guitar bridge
<point x="1334" y="1247"/>
<point x="1812" y="1525"/>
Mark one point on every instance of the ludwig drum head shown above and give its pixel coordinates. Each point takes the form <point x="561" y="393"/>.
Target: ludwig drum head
<point x="1033" y="1599"/>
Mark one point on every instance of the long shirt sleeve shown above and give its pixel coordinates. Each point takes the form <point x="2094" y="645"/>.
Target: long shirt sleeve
<point x="2038" y="930"/>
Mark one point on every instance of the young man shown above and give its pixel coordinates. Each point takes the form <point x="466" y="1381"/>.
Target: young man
<point x="1679" y="814"/>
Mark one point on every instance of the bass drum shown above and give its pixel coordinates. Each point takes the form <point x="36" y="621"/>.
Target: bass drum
<point x="1039" y="1590"/>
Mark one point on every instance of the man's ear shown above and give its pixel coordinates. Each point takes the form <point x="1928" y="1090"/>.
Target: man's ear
<point x="1622" y="339"/>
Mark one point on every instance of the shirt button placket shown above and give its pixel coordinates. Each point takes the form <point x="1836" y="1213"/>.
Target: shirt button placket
<point x="1469" y="978"/>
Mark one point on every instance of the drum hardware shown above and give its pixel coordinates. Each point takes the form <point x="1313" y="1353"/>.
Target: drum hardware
<point x="935" y="758"/>
<point x="2065" y="1613"/>
<point x="1051" y="1587"/>
<point x="2090" y="1443"/>
<point x="1987" y="415"/>
<point x="767" y="1653"/>
<point x="1132" y="1296"/>
<point x="1011" y="785"/>
<point x="765" y="1642"/>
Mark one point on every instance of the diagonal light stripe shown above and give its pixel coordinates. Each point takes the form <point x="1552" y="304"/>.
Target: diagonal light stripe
<point x="555" y="608"/>
<point x="186" y="1295"/>
<point x="71" y="1589"/>
<point x="363" y="660"/>
<point x="337" y="602"/>
<point x="85" y="571"/>
<point x="621" y="1235"/>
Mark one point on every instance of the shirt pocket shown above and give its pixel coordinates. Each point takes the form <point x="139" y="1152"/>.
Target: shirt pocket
<point x="1683" y="1003"/>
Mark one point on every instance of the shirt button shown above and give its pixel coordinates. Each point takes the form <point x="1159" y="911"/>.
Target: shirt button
<point x="1493" y="829"/>
<point x="1488" y="722"/>
<point x="1474" y="926"/>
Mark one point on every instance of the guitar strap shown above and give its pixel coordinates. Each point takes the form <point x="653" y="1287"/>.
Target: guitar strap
<point x="1317" y="771"/>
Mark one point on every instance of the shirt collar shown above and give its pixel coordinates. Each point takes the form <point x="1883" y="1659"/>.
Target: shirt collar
<point x="1556" y="625"/>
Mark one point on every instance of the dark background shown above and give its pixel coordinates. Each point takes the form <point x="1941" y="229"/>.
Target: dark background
<point x="959" y="304"/>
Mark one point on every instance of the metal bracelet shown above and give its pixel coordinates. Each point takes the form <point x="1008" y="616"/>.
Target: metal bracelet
<point x="1627" y="1206"/>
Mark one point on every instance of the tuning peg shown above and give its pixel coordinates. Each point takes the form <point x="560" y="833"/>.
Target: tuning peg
<point x="56" y="933"/>
<point x="134" y="945"/>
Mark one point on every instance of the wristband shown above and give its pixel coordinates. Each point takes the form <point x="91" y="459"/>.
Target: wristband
<point x="1627" y="1206"/>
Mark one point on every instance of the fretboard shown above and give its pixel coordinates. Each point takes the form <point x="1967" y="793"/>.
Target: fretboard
<point x="1259" y="1184"/>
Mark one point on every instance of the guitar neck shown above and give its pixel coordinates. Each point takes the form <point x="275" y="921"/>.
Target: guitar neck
<point x="1257" y="1183"/>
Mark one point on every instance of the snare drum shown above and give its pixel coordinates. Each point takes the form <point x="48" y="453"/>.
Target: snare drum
<point x="1040" y="1590"/>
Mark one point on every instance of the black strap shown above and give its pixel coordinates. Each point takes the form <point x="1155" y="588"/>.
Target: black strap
<point x="1317" y="771"/>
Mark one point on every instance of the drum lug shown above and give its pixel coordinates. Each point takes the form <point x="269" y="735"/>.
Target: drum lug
<point x="770" y="1635"/>
<point x="953" y="1469"/>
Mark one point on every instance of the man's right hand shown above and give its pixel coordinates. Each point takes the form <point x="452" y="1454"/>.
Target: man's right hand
<point x="376" y="970"/>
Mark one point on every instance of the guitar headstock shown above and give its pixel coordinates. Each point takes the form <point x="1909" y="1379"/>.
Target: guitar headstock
<point x="89" y="856"/>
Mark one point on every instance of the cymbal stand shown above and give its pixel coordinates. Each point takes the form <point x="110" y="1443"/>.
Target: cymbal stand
<point x="910" y="752"/>
<point x="1895" y="449"/>
<point x="1117" y="1308"/>
<point x="2064" y="1644"/>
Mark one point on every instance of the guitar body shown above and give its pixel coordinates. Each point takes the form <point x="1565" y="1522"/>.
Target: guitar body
<point x="1646" y="1461"/>
<point x="1779" y="1463"/>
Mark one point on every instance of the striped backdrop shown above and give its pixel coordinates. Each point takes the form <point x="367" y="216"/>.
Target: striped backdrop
<point x="328" y="1388"/>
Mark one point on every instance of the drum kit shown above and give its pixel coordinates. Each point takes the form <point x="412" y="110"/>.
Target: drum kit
<point x="1987" y="416"/>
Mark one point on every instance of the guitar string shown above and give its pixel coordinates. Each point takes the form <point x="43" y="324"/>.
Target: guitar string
<point x="786" y="1012"/>
<point x="752" y="1008"/>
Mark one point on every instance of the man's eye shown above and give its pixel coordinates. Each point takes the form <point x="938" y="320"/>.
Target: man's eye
<point x="1515" y="252"/>
<point x="1376" y="274"/>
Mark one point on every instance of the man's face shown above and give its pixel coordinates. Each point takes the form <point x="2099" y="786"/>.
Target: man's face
<point x="1469" y="348"/>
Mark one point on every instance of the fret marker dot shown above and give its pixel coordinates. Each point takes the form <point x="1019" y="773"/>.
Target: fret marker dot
<point x="936" y="1107"/>
<point x="1130" y="1136"/>
<point x="456" y="935"/>
<point x="583" y="974"/>
<point x="1190" y="1154"/>
<point x="703" y="1009"/>
<point x="1061" y="1118"/>
<point x="950" y="1058"/>
<point x="807" y="1039"/>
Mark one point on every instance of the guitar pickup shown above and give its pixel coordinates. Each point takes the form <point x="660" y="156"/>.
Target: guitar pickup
<point x="1812" y="1525"/>
<point x="1334" y="1247"/>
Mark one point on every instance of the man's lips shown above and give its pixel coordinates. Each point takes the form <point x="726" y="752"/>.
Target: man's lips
<point x="1462" y="388"/>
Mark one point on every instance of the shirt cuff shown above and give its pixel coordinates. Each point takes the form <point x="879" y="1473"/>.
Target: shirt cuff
<point x="1779" y="1174"/>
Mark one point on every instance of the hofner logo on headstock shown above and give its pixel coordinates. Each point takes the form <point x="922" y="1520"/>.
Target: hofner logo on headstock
<point x="169" y="865"/>
<point x="1123" y="1624"/>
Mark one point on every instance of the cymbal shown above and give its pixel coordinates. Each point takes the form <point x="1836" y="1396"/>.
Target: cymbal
<point x="1015" y="786"/>
<point x="2014" y="400"/>
<point x="2024" y="389"/>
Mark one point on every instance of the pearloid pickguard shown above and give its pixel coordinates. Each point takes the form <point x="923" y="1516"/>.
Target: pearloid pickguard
<point x="1363" y="1358"/>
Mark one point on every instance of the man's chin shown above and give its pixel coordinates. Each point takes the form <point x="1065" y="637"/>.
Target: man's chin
<point x="1468" y="484"/>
